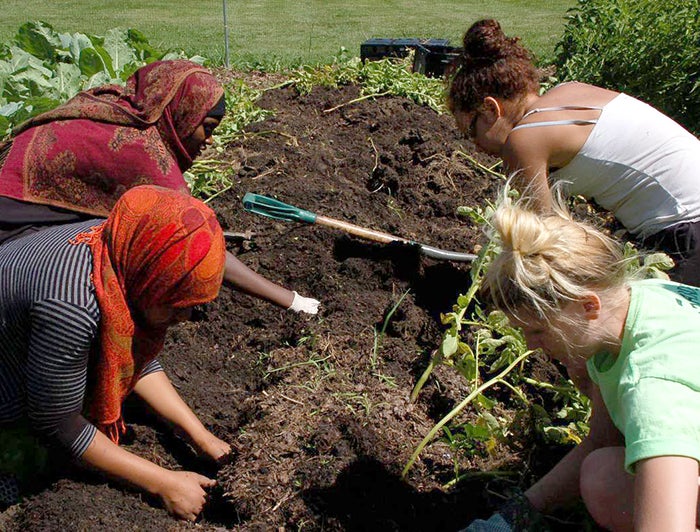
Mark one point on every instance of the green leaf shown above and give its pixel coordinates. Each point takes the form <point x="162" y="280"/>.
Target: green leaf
<point x="467" y="367"/>
<point x="199" y="59"/>
<point x="91" y="62"/>
<point x="10" y="109"/>
<point x="141" y="47"/>
<point x="39" y="104"/>
<point x="129" y="69"/>
<point x="22" y="60"/>
<point x="449" y="345"/>
<point x="120" y="53"/>
<point x="485" y="402"/>
<point x="480" y="432"/>
<point x="463" y="301"/>
<point x="38" y="39"/>
<point x="491" y="421"/>
<point x="30" y="82"/>
<point x="100" y="78"/>
<point x="68" y="81"/>
<point x="77" y="43"/>
<point x="5" y="127"/>
<point x="658" y="260"/>
<point x="107" y="60"/>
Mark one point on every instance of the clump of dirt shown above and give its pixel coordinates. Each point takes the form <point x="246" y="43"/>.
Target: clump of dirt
<point x="317" y="408"/>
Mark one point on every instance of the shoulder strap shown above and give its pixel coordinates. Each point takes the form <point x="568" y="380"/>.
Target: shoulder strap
<point x="559" y="122"/>
<point x="561" y="108"/>
<point x="556" y="123"/>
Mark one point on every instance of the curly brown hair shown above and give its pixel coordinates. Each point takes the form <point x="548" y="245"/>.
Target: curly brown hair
<point x="490" y="64"/>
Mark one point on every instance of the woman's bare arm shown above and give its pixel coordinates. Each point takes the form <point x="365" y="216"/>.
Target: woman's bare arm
<point x="530" y="154"/>
<point x="250" y="282"/>
<point x="157" y="391"/>
<point x="182" y="492"/>
<point x="666" y="493"/>
<point x="526" y="161"/>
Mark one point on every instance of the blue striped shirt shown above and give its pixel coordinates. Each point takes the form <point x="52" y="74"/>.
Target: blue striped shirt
<point x="49" y="319"/>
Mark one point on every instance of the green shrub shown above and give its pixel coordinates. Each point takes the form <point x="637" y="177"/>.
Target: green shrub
<point x="649" y="49"/>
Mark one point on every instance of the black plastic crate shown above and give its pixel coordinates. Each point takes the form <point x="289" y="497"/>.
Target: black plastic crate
<point x="382" y="48"/>
<point x="433" y="61"/>
<point x="432" y="56"/>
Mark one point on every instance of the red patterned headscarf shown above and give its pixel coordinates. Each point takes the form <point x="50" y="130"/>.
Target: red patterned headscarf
<point x="157" y="248"/>
<point x="85" y="153"/>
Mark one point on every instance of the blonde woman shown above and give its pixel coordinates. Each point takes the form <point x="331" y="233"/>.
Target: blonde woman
<point x="630" y="345"/>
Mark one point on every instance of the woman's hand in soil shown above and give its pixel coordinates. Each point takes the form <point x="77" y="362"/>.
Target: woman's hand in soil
<point x="183" y="493"/>
<point x="215" y="448"/>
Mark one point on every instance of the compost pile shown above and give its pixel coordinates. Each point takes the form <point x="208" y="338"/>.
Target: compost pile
<point x="317" y="408"/>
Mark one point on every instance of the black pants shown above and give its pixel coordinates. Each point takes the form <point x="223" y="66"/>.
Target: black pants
<point x="681" y="243"/>
<point x="18" y="218"/>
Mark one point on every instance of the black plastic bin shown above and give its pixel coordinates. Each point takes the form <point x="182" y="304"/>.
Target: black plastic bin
<point x="434" y="62"/>
<point x="432" y="56"/>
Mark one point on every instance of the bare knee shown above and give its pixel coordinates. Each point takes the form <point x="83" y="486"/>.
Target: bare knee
<point x="606" y="489"/>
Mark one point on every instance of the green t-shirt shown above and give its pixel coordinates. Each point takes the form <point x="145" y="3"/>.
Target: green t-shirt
<point x="652" y="388"/>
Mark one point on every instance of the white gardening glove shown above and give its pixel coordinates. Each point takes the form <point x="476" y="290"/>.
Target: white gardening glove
<point x="304" y="304"/>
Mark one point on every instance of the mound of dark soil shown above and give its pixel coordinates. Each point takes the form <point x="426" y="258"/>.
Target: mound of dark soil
<point x="317" y="407"/>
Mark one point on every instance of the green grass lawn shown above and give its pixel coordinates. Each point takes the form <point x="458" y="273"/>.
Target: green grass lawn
<point x="287" y="33"/>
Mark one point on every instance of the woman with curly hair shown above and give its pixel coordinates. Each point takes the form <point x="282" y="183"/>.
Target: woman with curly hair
<point x="609" y="147"/>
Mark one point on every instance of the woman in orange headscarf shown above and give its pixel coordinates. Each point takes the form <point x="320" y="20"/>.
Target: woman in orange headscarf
<point x="84" y="310"/>
<point x="74" y="162"/>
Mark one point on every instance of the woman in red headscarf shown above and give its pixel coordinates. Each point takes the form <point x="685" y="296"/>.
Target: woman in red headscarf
<point x="84" y="309"/>
<point x="73" y="162"/>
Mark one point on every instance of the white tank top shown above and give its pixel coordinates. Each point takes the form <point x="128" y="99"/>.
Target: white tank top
<point x="637" y="163"/>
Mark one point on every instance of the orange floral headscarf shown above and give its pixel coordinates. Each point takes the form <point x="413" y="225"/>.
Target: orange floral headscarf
<point x="158" y="247"/>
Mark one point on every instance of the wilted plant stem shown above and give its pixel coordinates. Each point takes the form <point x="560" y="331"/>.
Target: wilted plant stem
<point x="475" y="393"/>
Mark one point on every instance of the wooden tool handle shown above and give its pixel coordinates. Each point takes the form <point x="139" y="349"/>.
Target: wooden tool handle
<point x="356" y="230"/>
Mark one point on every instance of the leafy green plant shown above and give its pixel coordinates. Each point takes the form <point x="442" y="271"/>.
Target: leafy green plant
<point x="650" y="265"/>
<point x="397" y="78"/>
<point x="487" y="351"/>
<point x="474" y="438"/>
<point x="479" y="344"/>
<point x="454" y="350"/>
<point x="498" y="379"/>
<point x="375" y="78"/>
<point x="646" y="48"/>
<point x="241" y="111"/>
<point x="208" y="178"/>
<point x="41" y="68"/>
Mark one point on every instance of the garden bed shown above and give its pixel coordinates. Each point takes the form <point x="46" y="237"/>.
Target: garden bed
<point x="317" y="408"/>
